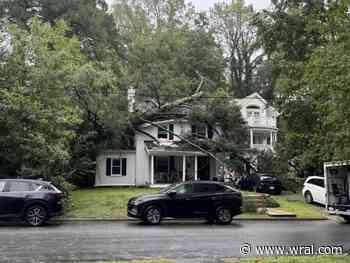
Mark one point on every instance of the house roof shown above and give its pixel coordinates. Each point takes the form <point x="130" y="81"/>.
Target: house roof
<point x="173" y="149"/>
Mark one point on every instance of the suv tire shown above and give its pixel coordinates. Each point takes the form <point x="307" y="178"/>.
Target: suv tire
<point x="308" y="198"/>
<point x="152" y="215"/>
<point x="223" y="215"/>
<point x="35" y="215"/>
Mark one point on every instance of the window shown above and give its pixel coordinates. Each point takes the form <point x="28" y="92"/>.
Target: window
<point x="42" y="188"/>
<point x="317" y="182"/>
<point x="207" y="188"/>
<point x="201" y="131"/>
<point x="166" y="133"/>
<point x="14" y="186"/>
<point x="2" y="186"/>
<point x="258" y="138"/>
<point x="268" y="139"/>
<point x="116" y="166"/>
<point x="183" y="189"/>
<point x="253" y="111"/>
<point x="162" y="134"/>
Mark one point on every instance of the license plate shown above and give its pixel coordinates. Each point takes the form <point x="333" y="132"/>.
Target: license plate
<point x="272" y="188"/>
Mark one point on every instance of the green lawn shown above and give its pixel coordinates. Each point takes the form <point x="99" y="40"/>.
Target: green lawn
<point x="326" y="259"/>
<point x="295" y="204"/>
<point x="111" y="203"/>
<point x="103" y="202"/>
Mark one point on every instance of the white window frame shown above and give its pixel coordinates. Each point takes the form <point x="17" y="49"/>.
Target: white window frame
<point x="164" y="132"/>
<point x="167" y="127"/>
<point x="198" y="135"/>
<point x="120" y="167"/>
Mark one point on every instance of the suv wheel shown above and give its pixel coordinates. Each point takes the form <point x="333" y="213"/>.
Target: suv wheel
<point x="35" y="215"/>
<point x="308" y="198"/>
<point x="223" y="215"/>
<point x="152" y="215"/>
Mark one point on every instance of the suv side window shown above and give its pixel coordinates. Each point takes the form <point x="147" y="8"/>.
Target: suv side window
<point x="208" y="188"/>
<point x="319" y="182"/>
<point x="2" y="186"/>
<point x="311" y="181"/>
<point x="41" y="187"/>
<point x="184" y="189"/>
<point x="19" y="186"/>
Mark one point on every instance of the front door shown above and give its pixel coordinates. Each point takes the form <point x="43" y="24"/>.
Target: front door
<point x="204" y="168"/>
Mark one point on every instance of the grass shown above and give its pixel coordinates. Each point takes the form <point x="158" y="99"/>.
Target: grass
<point x="103" y="202"/>
<point x="325" y="259"/>
<point x="111" y="203"/>
<point x="295" y="204"/>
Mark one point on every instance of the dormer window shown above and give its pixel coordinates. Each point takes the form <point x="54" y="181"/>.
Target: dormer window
<point x="201" y="131"/>
<point x="167" y="133"/>
<point x="253" y="111"/>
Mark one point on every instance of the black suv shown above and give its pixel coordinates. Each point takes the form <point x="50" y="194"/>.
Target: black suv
<point x="31" y="200"/>
<point x="200" y="199"/>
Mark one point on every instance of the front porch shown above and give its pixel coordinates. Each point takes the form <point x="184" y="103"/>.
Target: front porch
<point x="169" y="165"/>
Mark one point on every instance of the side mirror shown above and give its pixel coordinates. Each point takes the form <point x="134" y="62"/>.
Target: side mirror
<point x="172" y="193"/>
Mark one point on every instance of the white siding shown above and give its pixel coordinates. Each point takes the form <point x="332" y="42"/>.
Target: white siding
<point x="103" y="180"/>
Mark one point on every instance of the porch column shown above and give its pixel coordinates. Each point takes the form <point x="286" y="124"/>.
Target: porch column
<point x="184" y="168"/>
<point x="271" y="138"/>
<point x="195" y="167"/>
<point x="251" y="138"/>
<point x="152" y="169"/>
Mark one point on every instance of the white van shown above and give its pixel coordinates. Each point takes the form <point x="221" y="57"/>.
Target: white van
<point x="337" y="181"/>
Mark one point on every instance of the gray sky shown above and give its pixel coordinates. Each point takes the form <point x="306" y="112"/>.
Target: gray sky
<point x="206" y="4"/>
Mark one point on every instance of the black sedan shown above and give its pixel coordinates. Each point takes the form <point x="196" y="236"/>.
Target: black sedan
<point x="201" y="199"/>
<point x="30" y="200"/>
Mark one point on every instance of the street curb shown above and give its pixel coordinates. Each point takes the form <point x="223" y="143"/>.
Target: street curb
<point x="63" y="220"/>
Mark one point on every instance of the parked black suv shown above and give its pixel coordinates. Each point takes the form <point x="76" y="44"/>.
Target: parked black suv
<point x="200" y="199"/>
<point x="30" y="200"/>
<point x="261" y="183"/>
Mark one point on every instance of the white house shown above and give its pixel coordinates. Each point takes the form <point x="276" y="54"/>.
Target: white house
<point x="164" y="163"/>
<point x="262" y="121"/>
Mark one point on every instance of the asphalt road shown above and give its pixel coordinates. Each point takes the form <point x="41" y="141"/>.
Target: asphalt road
<point x="183" y="241"/>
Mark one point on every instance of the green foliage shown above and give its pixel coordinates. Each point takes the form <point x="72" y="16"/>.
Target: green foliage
<point x="312" y="68"/>
<point x="229" y="130"/>
<point x="233" y="24"/>
<point x="87" y="19"/>
<point x="49" y="91"/>
<point x="166" y="55"/>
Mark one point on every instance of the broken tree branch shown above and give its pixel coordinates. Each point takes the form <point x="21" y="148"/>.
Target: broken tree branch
<point x="185" y="140"/>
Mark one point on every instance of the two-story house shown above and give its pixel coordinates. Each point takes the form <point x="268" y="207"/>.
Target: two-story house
<point x="163" y="162"/>
<point x="262" y="121"/>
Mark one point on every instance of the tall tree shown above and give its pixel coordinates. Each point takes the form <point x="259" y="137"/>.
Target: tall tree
<point x="167" y="59"/>
<point x="88" y="19"/>
<point x="309" y="54"/>
<point x="43" y="78"/>
<point x="233" y="23"/>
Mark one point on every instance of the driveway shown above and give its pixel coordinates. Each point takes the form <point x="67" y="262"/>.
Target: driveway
<point x="189" y="241"/>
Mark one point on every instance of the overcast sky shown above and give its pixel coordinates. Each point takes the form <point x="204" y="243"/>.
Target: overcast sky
<point x="206" y="4"/>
